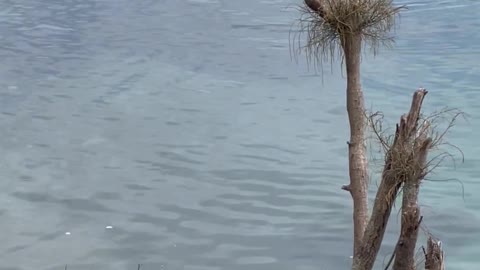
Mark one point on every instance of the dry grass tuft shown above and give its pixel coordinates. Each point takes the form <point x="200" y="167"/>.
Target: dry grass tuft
<point x="406" y="166"/>
<point x="373" y="20"/>
<point x="407" y="157"/>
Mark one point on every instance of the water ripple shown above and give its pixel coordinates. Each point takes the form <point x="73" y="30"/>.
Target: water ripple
<point x="147" y="138"/>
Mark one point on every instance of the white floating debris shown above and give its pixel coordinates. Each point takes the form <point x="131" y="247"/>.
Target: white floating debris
<point x="351" y="257"/>
<point x="108" y="227"/>
<point x="202" y="91"/>
<point x="67" y="233"/>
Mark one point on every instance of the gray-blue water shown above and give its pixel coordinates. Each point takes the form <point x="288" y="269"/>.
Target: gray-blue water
<point x="180" y="134"/>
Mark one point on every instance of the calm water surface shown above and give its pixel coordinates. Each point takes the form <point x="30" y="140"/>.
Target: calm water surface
<point x="187" y="128"/>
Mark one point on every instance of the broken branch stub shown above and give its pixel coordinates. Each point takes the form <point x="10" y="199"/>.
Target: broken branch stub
<point x="410" y="221"/>
<point x="417" y="153"/>
<point x="434" y="255"/>
<point x="402" y="166"/>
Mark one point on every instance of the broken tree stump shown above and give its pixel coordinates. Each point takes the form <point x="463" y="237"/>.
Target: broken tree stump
<point x="415" y="169"/>
<point x="405" y="165"/>
<point x="434" y="255"/>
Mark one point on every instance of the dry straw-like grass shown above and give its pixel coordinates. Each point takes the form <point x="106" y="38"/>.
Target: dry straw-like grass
<point x="406" y="164"/>
<point x="326" y="27"/>
<point x="429" y="137"/>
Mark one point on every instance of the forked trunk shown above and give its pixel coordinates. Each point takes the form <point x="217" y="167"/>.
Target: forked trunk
<point x="406" y="153"/>
<point x="352" y="45"/>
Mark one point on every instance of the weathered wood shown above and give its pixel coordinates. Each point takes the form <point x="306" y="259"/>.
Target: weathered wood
<point x="434" y="255"/>
<point x="357" y="158"/>
<point x="396" y="172"/>
<point x="405" y="249"/>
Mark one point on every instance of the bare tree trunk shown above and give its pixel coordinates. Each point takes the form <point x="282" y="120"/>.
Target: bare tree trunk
<point x="434" y="255"/>
<point x="350" y="22"/>
<point x="397" y="167"/>
<point x="358" y="187"/>
<point x="405" y="249"/>
<point x="386" y="194"/>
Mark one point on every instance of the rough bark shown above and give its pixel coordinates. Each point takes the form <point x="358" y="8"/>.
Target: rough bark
<point x="358" y="167"/>
<point x="434" y="255"/>
<point x="393" y="176"/>
<point x="358" y="187"/>
<point x="405" y="249"/>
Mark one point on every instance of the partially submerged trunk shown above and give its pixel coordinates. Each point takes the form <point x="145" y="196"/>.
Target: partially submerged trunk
<point x="404" y="165"/>
<point x="358" y="187"/>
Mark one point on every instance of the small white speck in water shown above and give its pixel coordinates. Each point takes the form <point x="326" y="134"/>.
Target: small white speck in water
<point x="351" y="257"/>
<point x="109" y="227"/>
<point x="67" y="233"/>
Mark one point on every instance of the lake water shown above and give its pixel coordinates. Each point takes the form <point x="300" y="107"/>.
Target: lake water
<point x="181" y="135"/>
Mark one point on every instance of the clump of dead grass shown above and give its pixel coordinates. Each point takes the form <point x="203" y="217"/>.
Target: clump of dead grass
<point x="406" y="164"/>
<point x="406" y="151"/>
<point x="373" y="20"/>
<point x="407" y="156"/>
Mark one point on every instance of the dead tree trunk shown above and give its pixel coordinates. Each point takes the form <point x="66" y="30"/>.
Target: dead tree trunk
<point x="405" y="249"/>
<point x="404" y="165"/>
<point x="348" y="23"/>
<point x="434" y="255"/>
<point x="358" y="187"/>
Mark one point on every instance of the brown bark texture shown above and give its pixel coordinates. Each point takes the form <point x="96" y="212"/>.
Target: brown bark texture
<point x="405" y="249"/>
<point x="351" y="43"/>
<point x="358" y="187"/>
<point x="434" y="255"/>
<point x="403" y="166"/>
